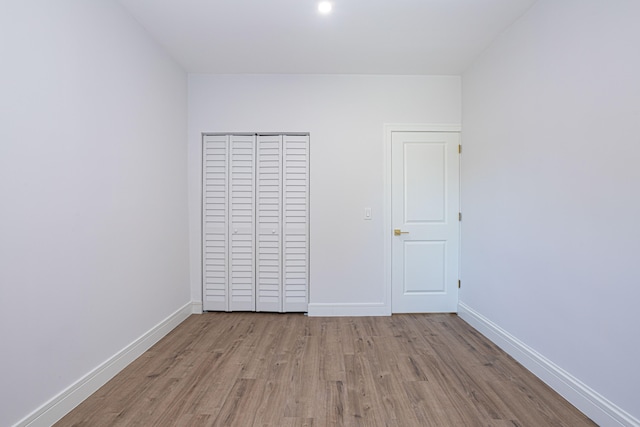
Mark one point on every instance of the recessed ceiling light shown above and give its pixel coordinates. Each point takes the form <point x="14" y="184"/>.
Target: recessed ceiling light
<point x="324" y="7"/>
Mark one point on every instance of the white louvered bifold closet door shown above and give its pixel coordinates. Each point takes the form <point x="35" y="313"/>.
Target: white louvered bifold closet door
<point x="256" y="222"/>
<point x="283" y="223"/>
<point x="229" y="223"/>
<point x="295" y="154"/>
<point x="269" y="219"/>
<point x="215" y="246"/>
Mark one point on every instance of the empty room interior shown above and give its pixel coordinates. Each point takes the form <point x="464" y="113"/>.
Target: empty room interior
<point x="113" y="115"/>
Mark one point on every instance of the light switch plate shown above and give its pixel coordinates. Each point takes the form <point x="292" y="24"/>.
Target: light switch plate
<point x="367" y="213"/>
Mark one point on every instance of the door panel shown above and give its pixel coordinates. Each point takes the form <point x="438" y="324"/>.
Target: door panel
<point x="296" y="222"/>
<point x="214" y="223"/>
<point x="424" y="182"/>
<point x="269" y="250"/>
<point x="242" y="223"/>
<point x="424" y="271"/>
<point x="425" y="206"/>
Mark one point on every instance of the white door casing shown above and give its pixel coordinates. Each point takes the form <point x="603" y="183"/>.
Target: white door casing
<point x="425" y="208"/>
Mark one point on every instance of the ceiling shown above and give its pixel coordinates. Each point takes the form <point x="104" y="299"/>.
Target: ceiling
<point x="357" y="37"/>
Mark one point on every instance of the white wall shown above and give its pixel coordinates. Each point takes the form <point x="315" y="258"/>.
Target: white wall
<point x="93" y="193"/>
<point x="551" y="242"/>
<point x="345" y="116"/>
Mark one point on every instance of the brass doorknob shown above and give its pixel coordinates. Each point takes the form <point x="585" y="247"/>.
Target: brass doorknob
<point x="397" y="232"/>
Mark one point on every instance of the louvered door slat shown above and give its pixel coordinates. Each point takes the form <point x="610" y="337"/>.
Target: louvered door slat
<point x="269" y="224"/>
<point x="295" y="222"/>
<point x="214" y="223"/>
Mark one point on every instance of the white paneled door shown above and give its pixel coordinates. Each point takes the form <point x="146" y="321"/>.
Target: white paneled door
<point x="425" y="220"/>
<point x="255" y="241"/>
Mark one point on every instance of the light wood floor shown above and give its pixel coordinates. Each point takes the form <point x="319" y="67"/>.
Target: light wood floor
<point x="284" y="370"/>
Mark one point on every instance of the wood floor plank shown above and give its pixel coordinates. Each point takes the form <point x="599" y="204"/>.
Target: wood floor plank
<point x="331" y="361"/>
<point x="335" y="401"/>
<point x="270" y="409"/>
<point x="239" y="407"/>
<point x="289" y="370"/>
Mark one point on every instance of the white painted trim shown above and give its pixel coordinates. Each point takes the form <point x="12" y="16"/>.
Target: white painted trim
<point x="60" y="405"/>
<point x="196" y="307"/>
<point x="604" y="412"/>
<point x="352" y="310"/>
<point x="421" y="127"/>
<point x="389" y="128"/>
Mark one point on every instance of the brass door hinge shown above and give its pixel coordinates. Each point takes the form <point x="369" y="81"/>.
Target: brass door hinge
<point x="459" y="283"/>
<point x="459" y="216"/>
<point x="459" y="148"/>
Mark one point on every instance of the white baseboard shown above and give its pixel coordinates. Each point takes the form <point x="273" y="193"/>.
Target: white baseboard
<point x="65" y="401"/>
<point x="356" y="309"/>
<point x="196" y="307"/>
<point x="604" y="412"/>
